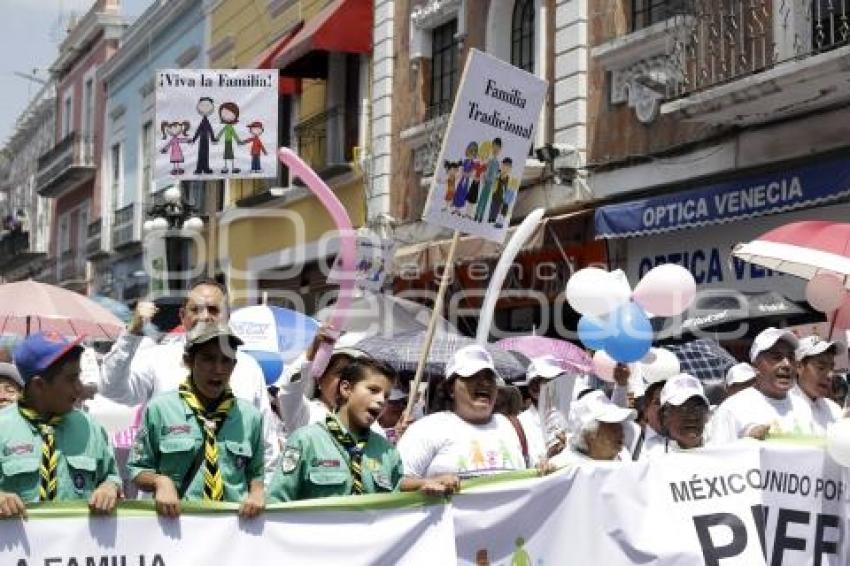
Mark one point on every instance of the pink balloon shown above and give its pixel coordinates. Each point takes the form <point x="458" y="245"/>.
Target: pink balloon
<point x="603" y="365"/>
<point x="347" y="248"/>
<point x="666" y="290"/>
<point x="825" y="292"/>
<point x="842" y="316"/>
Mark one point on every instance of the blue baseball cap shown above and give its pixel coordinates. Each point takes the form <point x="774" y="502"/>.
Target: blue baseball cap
<point x="39" y="351"/>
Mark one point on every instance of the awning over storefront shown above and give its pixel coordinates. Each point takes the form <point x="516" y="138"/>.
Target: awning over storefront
<point x="746" y="197"/>
<point x="343" y="26"/>
<point x="265" y="60"/>
<point x="568" y="229"/>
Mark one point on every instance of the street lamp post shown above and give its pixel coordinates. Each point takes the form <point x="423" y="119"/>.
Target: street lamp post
<point x="175" y="216"/>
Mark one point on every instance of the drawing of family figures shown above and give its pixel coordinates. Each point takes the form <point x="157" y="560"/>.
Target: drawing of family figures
<point x="480" y="187"/>
<point x="177" y="133"/>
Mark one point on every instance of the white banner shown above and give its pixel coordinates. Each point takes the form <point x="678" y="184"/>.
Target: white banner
<point x="216" y="124"/>
<point x="750" y="504"/>
<point x="492" y="126"/>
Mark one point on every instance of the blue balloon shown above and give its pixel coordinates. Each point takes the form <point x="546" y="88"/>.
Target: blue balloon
<point x="270" y="362"/>
<point x="630" y="334"/>
<point x="593" y="332"/>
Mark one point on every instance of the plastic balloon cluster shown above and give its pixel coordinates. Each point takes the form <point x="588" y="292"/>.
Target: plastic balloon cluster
<point x="615" y="318"/>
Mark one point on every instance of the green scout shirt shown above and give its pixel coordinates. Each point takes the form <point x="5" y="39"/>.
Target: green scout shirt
<point x="314" y="464"/>
<point x="170" y="437"/>
<point x="86" y="458"/>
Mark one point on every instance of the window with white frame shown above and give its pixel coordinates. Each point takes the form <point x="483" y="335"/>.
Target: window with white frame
<point x="115" y="177"/>
<point x="64" y="233"/>
<point x="147" y="142"/>
<point x="522" y="35"/>
<point x="445" y="72"/>
<point x="67" y="114"/>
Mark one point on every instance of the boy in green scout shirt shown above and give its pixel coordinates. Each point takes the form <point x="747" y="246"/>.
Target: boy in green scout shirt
<point x="341" y="455"/>
<point x="48" y="450"/>
<point x="200" y="443"/>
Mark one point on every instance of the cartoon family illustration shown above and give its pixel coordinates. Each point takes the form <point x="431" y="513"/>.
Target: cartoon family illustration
<point x="177" y="133"/>
<point x="480" y="187"/>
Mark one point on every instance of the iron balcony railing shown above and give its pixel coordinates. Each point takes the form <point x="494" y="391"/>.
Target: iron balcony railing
<point x="712" y="42"/>
<point x="12" y="245"/>
<point x="125" y="227"/>
<point x="94" y="240"/>
<point x="325" y="139"/>
<point x="68" y="162"/>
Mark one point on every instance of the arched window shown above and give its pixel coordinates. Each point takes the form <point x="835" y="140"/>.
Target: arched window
<point x="522" y="35"/>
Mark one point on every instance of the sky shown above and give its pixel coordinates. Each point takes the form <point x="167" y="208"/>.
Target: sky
<point x="30" y="34"/>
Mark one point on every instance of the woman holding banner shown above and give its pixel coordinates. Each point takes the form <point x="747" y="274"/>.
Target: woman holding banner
<point x="683" y="414"/>
<point x="599" y="427"/>
<point x="467" y="439"/>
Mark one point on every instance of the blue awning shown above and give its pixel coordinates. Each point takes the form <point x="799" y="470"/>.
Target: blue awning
<point x="746" y="197"/>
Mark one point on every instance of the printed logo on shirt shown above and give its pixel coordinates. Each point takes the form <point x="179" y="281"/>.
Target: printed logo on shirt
<point x="21" y="448"/>
<point x="382" y="481"/>
<point x="289" y="460"/>
<point x="316" y="463"/>
<point x="372" y="464"/>
<point x="176" y="429"/>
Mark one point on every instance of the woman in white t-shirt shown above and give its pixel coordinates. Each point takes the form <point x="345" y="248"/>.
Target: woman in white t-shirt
<point x="468" y="440"/>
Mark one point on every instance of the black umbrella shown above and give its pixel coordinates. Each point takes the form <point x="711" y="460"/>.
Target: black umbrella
<point x="703" y="359"/>
<point x="722" y="311"/>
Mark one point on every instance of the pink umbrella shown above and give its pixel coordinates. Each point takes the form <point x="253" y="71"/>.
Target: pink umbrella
<point x="804" y="249"/>
<point x="29" y="306"/>
<point x="572" y="356"/>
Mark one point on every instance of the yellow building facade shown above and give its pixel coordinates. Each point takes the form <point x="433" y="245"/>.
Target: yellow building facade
<point x="266" y="224"/>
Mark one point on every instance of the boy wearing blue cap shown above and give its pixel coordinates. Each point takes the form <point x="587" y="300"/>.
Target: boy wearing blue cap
<point x="50" y="451"/>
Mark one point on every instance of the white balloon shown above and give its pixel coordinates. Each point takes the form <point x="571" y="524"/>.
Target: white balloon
<point x="596" y="292"/>
<point x="659" y="364"/>
<point x="603" y="365"/>
<point x="838" y="441"/>
<point x="825" y="292"/>
<point x="666" y="290"/>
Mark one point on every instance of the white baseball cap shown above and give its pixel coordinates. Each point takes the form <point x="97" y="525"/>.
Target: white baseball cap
<point x="596" y="406"/>
<point x="396" y="394"/>
<point x="10" y="371"/>
<point x="814" y="345"/>
<point x="768" y="337"/>
<point x="680" y="388"/>
<point x="469" y="360"/>
<point x="740" y="373"/>
<point x="546" y="367"/>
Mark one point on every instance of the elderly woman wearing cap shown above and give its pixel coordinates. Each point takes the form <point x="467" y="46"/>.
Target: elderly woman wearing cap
<point x="683" y="413"/>
<point x="599" y="434"/>
<point x="815" y="362"/>
<point x="200" y="442"/>
<point x="468" y="439"/>
<point x="767" y="406"/>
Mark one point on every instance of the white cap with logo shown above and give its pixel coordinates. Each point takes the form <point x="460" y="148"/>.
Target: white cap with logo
<point x="740" y="373"/>
<point x="767" y="338"/>
<point x="469" y="360"/>
<point x="596" y="406"/>
<point x="546" y="367"/>
<point x="814" y="345"/>
<point x="680" y="388"/>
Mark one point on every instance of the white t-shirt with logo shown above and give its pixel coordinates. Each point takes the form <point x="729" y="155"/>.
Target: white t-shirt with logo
<point x="822" y="412"/>
<point x="444" y="443"/>
<point x="746" y="409"/>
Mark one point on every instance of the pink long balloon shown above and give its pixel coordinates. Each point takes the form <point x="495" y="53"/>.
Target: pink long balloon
<point x="347" y="251"/>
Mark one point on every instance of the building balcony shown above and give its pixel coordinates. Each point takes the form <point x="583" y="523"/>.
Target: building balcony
<point x="72" y="268"/>
<point x="65" y="167"/>
<point x="733" y="62"/>
<point x="327" y="140"/>
<point x="16" y="252"/>
<point x="95" y="248"/>
<point x="127" y="226"/>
